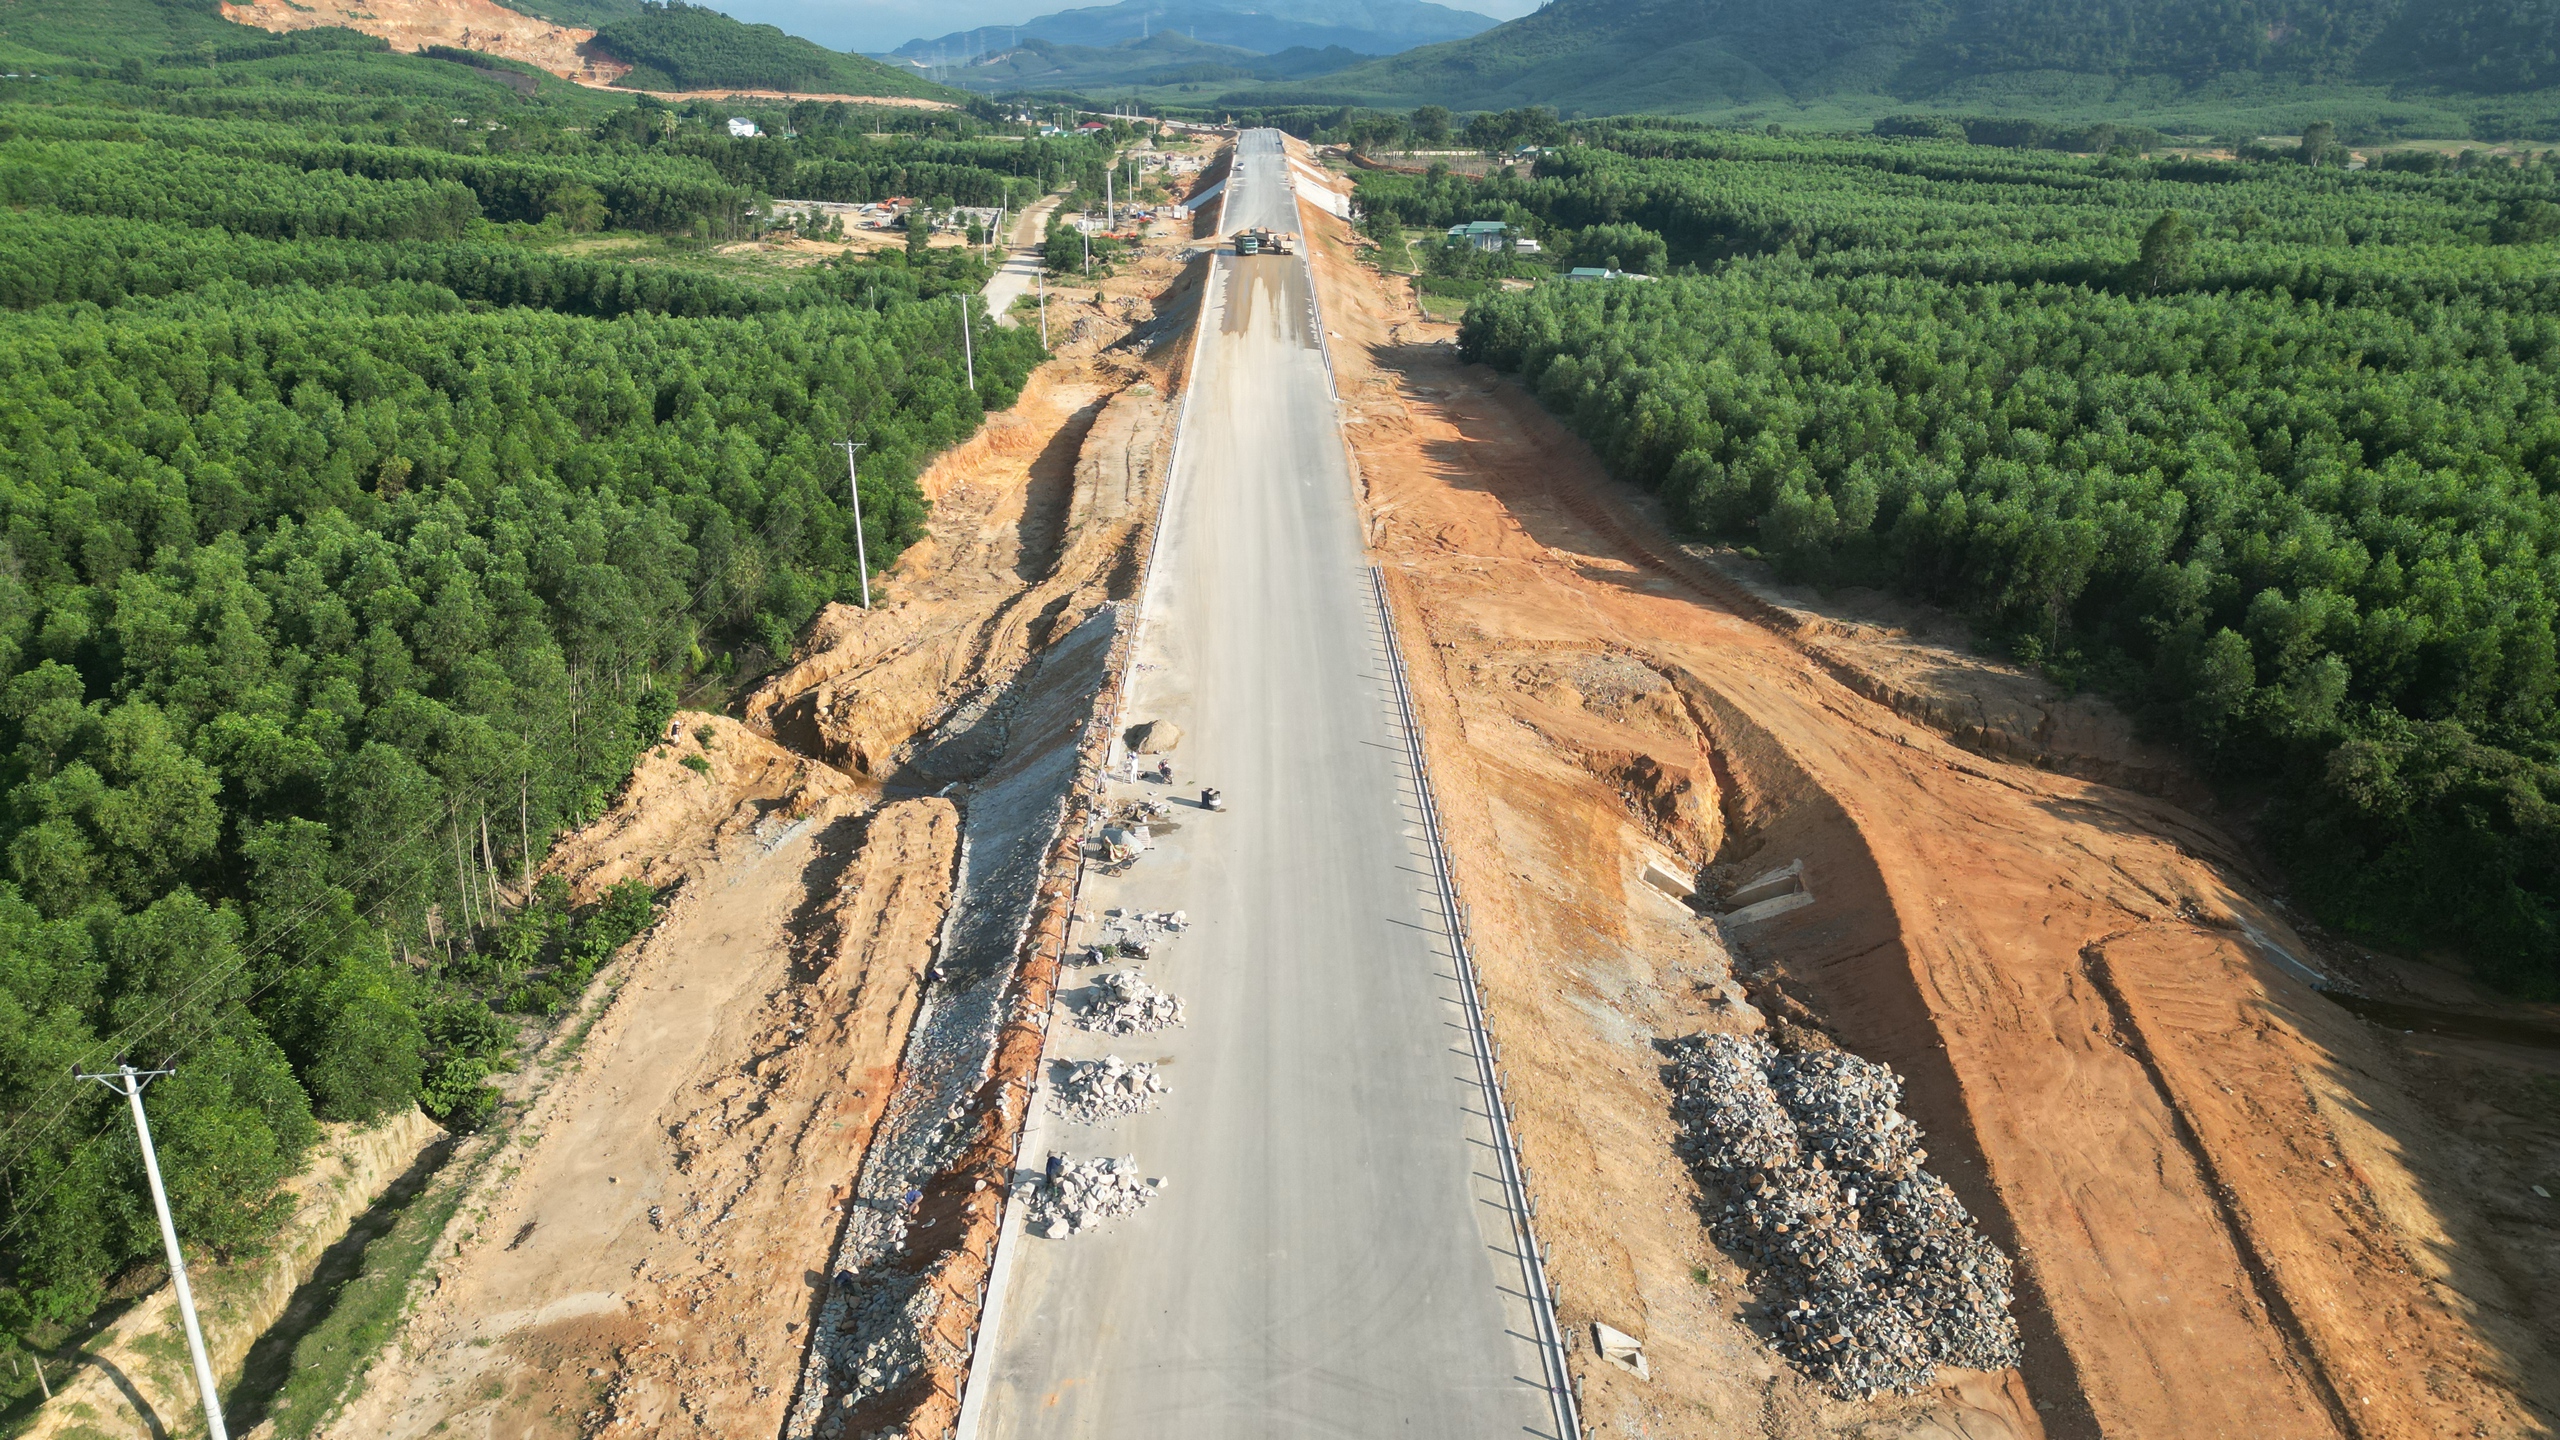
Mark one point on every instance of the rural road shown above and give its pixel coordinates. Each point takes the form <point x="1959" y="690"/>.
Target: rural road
<point x="1020" y="265"/>
<point x="1330" y="1256"/>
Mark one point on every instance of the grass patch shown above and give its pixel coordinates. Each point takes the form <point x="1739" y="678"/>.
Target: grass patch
<point x="1440" y="306"/>
<point x="363" y="1284"/>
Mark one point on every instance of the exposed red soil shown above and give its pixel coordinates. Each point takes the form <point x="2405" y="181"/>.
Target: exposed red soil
<point x="2231" y="1213"/>
<point x="567" y="51"/>
<point x="653" y="1257"/>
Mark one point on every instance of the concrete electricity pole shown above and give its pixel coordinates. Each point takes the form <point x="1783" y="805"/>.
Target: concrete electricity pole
<point x="968" y="352"/>
<point x="127" y="1081"/>
<point x="853" y="491"/>
<point x="1041" y="279"/>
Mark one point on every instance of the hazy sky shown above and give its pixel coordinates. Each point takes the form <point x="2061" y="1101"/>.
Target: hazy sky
<point x="879" y="25"/>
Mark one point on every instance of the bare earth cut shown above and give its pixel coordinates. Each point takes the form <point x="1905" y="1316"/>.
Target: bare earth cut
<point x="655" y="1252"/>
<point x="2228" y="1214"/>
<point x="567" y="51"/>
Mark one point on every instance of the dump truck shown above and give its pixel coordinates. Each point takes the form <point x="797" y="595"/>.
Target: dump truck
<point x="1262" y="240"/>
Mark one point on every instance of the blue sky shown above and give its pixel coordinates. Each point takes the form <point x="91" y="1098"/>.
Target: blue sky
<point x="877" y="25"/>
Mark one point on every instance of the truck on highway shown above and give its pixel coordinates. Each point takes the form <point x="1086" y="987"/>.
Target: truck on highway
<point x="1262" y="240"/>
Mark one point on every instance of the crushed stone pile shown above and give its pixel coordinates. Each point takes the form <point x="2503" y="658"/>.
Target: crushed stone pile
<point x="1095" y="1090"/>
<point x="1880" y="1273"/>
<point x="1088" y="1193"/>
<point x="1124" y="1003"/>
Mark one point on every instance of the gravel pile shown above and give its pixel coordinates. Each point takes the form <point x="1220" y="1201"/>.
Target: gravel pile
<point x="1123" y="1003"/>
<point x="1088" y="1193"/>
<point x="1880" y="1274"/>
<point x="1095" y="1090"/>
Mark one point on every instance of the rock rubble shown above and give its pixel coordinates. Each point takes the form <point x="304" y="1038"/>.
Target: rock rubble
<point x="1133" y="934"/>
<point x="1814" y="1180"/>
<point x="1089" y="1193"/>
<point x="1090" y="1091"/>
<point x="1123" y="1003"/>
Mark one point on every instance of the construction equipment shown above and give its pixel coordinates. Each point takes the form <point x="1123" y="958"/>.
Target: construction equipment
<point x="1249" y="242"/>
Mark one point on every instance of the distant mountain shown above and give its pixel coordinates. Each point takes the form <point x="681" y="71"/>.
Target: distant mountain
<point x="1364" y="27"/>
<point x="1169" y="58"/>
<point x="675" y="46"/>
<point x="1615" y="56"/>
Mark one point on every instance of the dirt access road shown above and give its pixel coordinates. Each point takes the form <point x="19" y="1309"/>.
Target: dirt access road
<point x="2230" y="1215"/>
<point x="650" y="1256"/>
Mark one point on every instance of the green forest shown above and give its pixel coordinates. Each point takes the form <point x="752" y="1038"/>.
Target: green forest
<point x="675" y="46"/>
<point x="385" y="448"/>
<point x="2264" y="449"/>
<point x="2430" y="67"/>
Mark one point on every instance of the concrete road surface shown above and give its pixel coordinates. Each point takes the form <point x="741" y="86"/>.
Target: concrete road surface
<point x="1330" y="1257"/>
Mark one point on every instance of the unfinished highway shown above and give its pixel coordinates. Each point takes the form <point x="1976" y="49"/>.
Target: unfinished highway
<point x="1330" y="1255"/>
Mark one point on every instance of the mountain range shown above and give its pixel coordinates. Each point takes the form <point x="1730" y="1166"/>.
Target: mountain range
<point x="1615" y="56"/>
<point x="1166" y="58"/>
<point x="1364" y="27"/>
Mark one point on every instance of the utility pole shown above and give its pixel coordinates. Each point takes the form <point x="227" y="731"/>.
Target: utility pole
<point x="127" y="1081"/>
<point x="853" y="489"/>
<point x="968" y="353"/>
<point x="1110" y="207"/>
<point x="1087" y="237"/>
<point x="1041" y="279"/>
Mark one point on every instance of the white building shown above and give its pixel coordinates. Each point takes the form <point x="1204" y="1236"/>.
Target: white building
<point x="742" y="128"/>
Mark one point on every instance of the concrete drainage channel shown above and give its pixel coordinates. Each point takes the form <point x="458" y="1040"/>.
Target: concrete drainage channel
<point x="1515" y="1177"/>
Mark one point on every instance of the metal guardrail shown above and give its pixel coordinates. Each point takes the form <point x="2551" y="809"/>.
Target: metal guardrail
<point x="1515" y="1173"/>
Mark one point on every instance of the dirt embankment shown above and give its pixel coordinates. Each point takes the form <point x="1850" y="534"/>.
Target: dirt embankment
<point x="654" y="1253"/>
<point x="2231" y="1211"/>
<point x="567" y="51"/>
<point x="135" y="1378"/>
<point x="482" y="25"/>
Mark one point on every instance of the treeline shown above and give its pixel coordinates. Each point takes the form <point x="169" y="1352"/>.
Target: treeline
<point x="2020" y="133"/>
<point x="2266" y="451"/>
<point x="676" y="46"/>
<point x="272" y="183"/>
<point x="357" y="532"/>
<point x="107" y="261"/>
<point x="1983" y="215"/>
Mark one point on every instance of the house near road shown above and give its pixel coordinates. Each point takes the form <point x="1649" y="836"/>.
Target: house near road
<point x="1482" y="234"/>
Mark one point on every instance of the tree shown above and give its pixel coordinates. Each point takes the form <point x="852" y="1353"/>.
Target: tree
<point x="919" y="231"/>
<point x="2319" y="138"/>
<point x="2166" y="249"/>
<point x="578" y="206"/>
<point x="1430" y="125"/>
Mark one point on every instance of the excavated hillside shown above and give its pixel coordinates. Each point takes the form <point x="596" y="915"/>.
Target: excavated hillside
<point x="567" y="51"/>
<point x="2234" y="1208"/>
<point x="811" y="1009"/>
